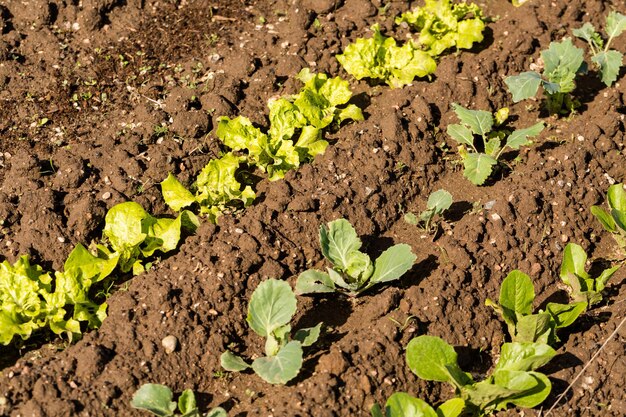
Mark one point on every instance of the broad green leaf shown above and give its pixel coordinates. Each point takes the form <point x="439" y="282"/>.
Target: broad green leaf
<point x="282" y="367"/>
<point x="429" y="356"/>
<point x="239" y="134"/>
<point x="285" y="118"/>
<point x="589" y="34"/>
<point x="360" y="267"/>
<point x="272" y="305"/>
<point x="479" y="121"/>
<point x="335" y="90"/>
<point x="615" y="24"/>
<point x="314" y="281"/>
<point x="439" y="201"/>
<point x="478" y="167"/>
<point x="517" y="294"/>
<point x="309" y="335"/>
<point x="616" y="196"/>
<point x="401" y="404"/>
<point x="123" y="226"/>
<point x="375" y="411"/>
<point x="176" y="196"/>
<point x="232" y="362"/>
<point x="461" y="134"/>
<point x="574" y="260"/>
<point x="154" y="398"/>
<point x="89" y="265"/>
<point x="187" y="402"/>
<point x="493" y="146"/>
<point x="338" y="281"/>
<point x="524" y="85"/>
<point x="486" y="394"/>
<point x="469" y="32"/>
<point x="610" y="63"/>
<point x="407" y="63"/>
<point x="216" y="412"/>
<point x="533" y="387"/>
<point x="454" y="407"/>
<point x="601" y="281"/>
<point x="534" y="328"/>
<point x="350" y="112"/>
<point x="619" y="217"/>
<point x="10" y="327"/>
<point x="339" y="243"/>
<point x="525" y="356"/>
<point x="605" y="218"/>
<point x="561" y="60"/>
<point x="565" y="314"/>
<point x="520" y="137"/>
<point x="393" y="263"/>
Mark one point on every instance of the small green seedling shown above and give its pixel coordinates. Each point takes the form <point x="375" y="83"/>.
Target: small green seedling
<point x="271" y="308"/>
<point x="607" y="61"/>
<point x="401" y="404"/>
<point x="562" y="62"/>
<point x="438" y="202"/>
<point x="513" y="380"/>
<point x="614" y="220"/>
<point x="158" y="400"/>
<point x="583" y="287"/>
<point x="516" y="305"/>
<point x="353" y="271"/>
<point x="479" y="161"/>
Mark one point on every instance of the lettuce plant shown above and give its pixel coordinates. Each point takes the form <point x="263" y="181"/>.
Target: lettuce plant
<point x="380" y="58"/>
<point x="134" y="234"/>
<point x="438" y="202"/>
<point x="295" y="136"/>
<point x="31" y="299"/>
<point x="401" y="404"/>
<point x="516" y="308"/>
<point x="443" y="25"/>
<point x="607" y="61"/>
<point x="479" y="161"/>
<point x="583" y="287"/>
<point x="271" y="308"/>
<point x="353" y="271"/>
<point x="514" y="380"/>
<point x="562" y="62"/>
<point x="158" y="400"/>
<point x="614" y="220"/>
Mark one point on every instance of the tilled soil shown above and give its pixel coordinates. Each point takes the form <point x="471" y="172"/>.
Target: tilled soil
<point x="85" y="84"/>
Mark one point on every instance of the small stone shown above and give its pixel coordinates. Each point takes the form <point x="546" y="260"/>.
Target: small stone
<point x="489" y="204"/>
<point x="564" y="238"/>
<point x="535" y="268"/>
<point x="61" y="239"/>
<point x="106" y="195"/>
<point x="169" y="343"/>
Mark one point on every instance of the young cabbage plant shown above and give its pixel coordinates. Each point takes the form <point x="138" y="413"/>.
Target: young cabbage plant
<point x="134" y="234"/>
<point x="514" y="380"/>
<point x="583" y="287"/>
<point x="353" y="271"/>
<point x="270" y="311"/>
<point x="479" y="161"/>
<point x="438" y="202"/>
<point x="607" y="61"/>
<point x="516" y="308"/>
<point x="158" y="400"/>
<point x="380" y="58"/>
<point x="562" y="63"/>
<point x="614" y="220"/>
<point x="443" y="25"/>
<point x="401" y="404"/>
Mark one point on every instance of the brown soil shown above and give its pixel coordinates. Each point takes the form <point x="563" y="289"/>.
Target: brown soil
<point x="104" y="73"/>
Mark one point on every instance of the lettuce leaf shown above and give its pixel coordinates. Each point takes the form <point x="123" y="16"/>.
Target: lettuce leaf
<point x="443" y="25"/>
<point x="380" y="58"/>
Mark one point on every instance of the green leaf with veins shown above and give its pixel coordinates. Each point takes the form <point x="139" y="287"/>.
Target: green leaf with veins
<point x="610" y="63"/>
<point x="272" y="305"/>
<point x="282" y="367"/>
<point x="478" y="167"/>
<point x="524" y="85"/>
<point x="520" y="137"/>
<point x="479" y="121"/>
<point x="155" y="398"/>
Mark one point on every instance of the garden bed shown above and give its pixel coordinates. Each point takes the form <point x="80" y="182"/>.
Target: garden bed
<point x="83" y="89"/>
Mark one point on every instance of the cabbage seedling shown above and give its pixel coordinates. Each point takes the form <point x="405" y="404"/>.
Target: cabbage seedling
<point x="516" y="305"/>
<point x="438" y="202"/>
<point x="401" y="404"/>
<point x="513" y="380"/>
<point x="353" y="271"/>
<point x="270" y="311"/>
<point x="607" y="61"/>
<point x="562" y="63"/>
<point x="479" y="161"/>
<point x="583" y="287"/>
<point x="614" y="220"/>
<point x="158" y="400"/>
